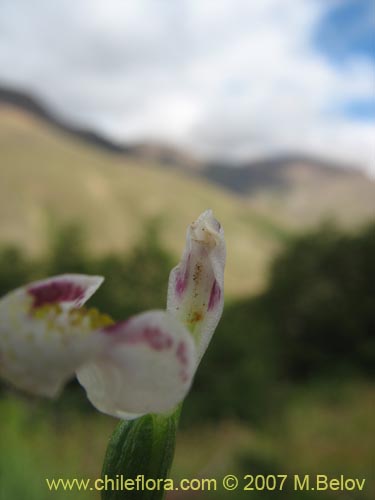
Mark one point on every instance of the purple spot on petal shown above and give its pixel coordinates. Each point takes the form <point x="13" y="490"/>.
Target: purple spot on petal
<point x="182" y="277"/>
<point x="54" y="292"/>
<point x="156" y="339"/>
<point x="182" y="356"/>
<point x="215" y="296"/>
<point x="181" y="353"/>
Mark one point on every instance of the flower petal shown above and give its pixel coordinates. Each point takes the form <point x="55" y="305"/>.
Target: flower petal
<point x="43" y="339"/>
<point x="196" y="285"/>
<point x="147" y="367"/>
<point x="69" y="290"/>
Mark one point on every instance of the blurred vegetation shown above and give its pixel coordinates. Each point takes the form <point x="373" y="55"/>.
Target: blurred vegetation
<point x="322" y="298"/>
<point x="134" y="281"/>
<point x="294" y="363"/>
<point x="315" y="321"/>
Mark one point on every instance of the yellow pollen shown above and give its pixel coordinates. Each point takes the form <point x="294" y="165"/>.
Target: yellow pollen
<point x="89" y="319"/>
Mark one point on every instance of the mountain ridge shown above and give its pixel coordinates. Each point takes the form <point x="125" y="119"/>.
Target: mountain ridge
<point x="294" y="190"/>
<point x="165" y="153"/>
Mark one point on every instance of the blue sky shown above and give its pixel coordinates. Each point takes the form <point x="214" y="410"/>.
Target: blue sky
<point x="223" y="78"/>
<point x="345" y="32"/>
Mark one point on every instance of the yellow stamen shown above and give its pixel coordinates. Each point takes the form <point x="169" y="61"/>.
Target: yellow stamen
<point x="88" y="319"/>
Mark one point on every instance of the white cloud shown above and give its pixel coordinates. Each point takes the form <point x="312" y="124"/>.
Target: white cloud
<point x="225" y="77"/>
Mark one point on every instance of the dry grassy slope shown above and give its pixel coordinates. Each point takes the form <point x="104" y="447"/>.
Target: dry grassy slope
<point x="313" y="194"/>
<point x="45" y="173"/>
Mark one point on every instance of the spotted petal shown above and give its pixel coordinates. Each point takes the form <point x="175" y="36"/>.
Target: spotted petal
<point x="44" y="338"/>
<point x="196" y="285"/>
<point x="147" y="367"/>
<point x="67" y="290"/>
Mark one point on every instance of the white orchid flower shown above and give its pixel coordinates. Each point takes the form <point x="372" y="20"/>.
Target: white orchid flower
<point x="196" y="285"/>
<point x="142" y="365"/>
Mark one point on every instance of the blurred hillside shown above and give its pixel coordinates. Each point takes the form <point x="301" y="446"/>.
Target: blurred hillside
<point x="49" y="177"/>
<point x="300" y="191"/>
<point x="295" y="190"/>
<point x="53" y="172"/>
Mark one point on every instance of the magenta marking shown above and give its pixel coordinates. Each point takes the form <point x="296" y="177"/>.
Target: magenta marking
<point x="182" y="356"/>
<point x="55" y="292"/>
<point x="215" y="296"/>
<point x="181" y="353"/>
<point x="157" y="339"/>
<point x="182" y="276"/>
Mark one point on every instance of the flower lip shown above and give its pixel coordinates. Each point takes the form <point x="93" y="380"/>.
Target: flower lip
<point x="147" y="366"/>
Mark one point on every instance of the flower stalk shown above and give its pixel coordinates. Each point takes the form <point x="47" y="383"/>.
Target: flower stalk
<point x="144" y="449"/>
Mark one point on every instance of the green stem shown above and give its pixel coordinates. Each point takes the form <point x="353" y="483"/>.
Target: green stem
<point x="142" y="447"/>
